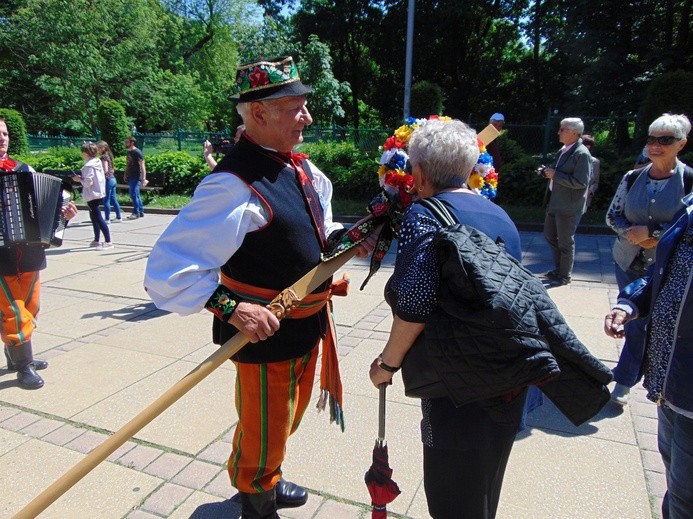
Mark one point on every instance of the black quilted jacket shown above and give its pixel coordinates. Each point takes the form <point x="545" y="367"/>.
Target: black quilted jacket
<point x="497" y="330"/>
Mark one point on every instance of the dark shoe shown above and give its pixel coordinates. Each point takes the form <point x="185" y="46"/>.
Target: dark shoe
<point x="290" y="495"/>
<point x="552" y="274"/>
<point x="28" y="378"/>
<point x="37" y="363"/>
<point x="562" y="280"/>
<point x="259" y="506"/>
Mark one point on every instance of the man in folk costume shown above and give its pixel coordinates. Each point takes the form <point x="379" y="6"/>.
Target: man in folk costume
<point x="20" y="288"/>
<point x="253" y="227"/>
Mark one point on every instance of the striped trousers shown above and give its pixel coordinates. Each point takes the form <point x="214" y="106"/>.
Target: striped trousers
<point x="19" y="306"/>
<point x="270" y="400"/>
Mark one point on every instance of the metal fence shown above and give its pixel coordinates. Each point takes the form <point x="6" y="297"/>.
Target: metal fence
<point x="534" y="139"/>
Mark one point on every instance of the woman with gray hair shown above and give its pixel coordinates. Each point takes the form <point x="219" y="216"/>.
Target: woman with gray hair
<point x="465" y="449"/>
<point x="643" y="208"/>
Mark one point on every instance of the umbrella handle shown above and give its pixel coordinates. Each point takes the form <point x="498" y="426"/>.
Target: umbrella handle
<point x="381" y="414"/>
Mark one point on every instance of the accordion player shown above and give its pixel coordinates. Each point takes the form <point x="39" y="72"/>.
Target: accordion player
<point x="31" y="208"/>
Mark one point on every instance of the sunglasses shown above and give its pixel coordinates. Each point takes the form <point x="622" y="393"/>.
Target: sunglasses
<point x="664" y="140"/>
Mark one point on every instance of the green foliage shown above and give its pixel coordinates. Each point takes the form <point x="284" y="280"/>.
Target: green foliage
<point x="670" y="92"/>
<point x="67" y="159"/>
<point x="182" y="171"/>
<point x="19" y="142"/>
<point x="113" y="124"/>
<point x="316" y="71"/>
<point x="354" y="174"/>
<point x="426" y="99"/>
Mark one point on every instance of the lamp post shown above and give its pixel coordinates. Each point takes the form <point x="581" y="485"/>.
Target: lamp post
<point x="409" y="52"/>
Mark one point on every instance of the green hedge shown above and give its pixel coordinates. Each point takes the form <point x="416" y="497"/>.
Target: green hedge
<point x="19" y="141"/>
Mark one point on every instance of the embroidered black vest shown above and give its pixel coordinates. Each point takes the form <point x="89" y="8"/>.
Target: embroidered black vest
<point x="276" y="255"/>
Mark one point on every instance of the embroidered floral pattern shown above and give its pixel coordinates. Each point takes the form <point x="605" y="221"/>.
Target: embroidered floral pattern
<point x="221" y="303"/>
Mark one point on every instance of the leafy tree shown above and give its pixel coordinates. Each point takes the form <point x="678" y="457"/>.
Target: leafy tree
<point x="351" y="29"/>
<point x="426" y="99"/>
<point x="316" y="71"/>
<point x="670" y="92"/>
<point x="19" y="142"/>
<point x="113" y="124"/>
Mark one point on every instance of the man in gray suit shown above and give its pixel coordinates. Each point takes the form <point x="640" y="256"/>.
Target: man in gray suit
<point x="567" y="189"/>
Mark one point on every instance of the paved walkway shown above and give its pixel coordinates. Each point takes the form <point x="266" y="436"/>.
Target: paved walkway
<point x="112" y="353"/>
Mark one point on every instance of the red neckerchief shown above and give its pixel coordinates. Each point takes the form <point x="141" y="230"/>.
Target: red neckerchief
<point x="7" y="164"/>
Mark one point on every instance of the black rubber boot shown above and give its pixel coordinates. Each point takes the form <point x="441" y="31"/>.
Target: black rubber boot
<point x="38" y="364"/>
<point x="290" y="495"/>
<point x="259" y="506"/>
<point x="22" y="359"/>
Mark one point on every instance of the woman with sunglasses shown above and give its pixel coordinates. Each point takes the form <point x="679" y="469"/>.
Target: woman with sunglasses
<point x="642" y="209"/>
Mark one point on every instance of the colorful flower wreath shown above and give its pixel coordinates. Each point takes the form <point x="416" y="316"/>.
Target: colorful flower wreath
<point x="396" y="194"/>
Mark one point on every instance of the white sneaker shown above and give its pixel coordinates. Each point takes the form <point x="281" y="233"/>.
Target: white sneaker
<point x="105" y="246"/>
<point x="118" y="220"/>
<point x="620" y="394"/>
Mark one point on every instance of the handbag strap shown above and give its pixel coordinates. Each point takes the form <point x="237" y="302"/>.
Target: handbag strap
<point x="439" y="211"/>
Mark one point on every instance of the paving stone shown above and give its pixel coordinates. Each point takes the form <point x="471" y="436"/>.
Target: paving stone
<point x="656" y="483"/>
<point x="166" y="499"/>
<point x="647" y="441"/>
<point x="139" y="457"/>
<point x="87" y="442"/>
<point x="19" y="421"/>
<point x="337" y="510"/>
<point x="167" y="465"/>
<point x="221" y="486"/>
<point x="349" y="341"/>
<point x="652" y="461"/>
<point x="41" y="427"/>
<point x="218" y="452"/>
<point x="360" y="333"/>
<point x="63" y="435"/>
<point x="120" y="451"/>
<point x="197" y="474"/>
<point x="7" y="412"/>
<point x="141" y="514"/>
<point x="380" y="336"/>
<point x="644" y="424"/>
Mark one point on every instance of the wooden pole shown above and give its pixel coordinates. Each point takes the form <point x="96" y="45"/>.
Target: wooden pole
<point x="302" y="287"/>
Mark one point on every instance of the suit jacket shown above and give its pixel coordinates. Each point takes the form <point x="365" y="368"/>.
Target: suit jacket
<point x="573" y="173"/>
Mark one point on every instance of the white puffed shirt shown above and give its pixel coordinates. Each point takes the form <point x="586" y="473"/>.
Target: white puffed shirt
<point x="183" y="267"/>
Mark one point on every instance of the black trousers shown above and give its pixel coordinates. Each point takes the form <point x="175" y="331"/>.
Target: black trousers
<point x="466" y="484"/>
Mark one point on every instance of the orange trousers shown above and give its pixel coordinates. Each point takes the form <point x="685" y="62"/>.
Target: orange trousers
<point x="19" y="306"/>
<point x="270" y="400"/>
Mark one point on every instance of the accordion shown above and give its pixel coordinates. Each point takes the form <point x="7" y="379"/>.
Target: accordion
<point x="31" y="209"/>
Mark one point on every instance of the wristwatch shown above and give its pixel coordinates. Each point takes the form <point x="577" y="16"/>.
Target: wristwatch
<point x="656" y="233"/>
<point x="384" y="366"/>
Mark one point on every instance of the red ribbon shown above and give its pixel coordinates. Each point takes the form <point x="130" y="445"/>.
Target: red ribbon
<point x="7" y="164"/>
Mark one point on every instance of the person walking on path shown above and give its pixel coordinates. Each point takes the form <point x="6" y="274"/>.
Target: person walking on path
<point x="272" y="207"/>
<point x="109" y="172"/>
<point x="664" y="300"/>
<point x="136" y="176"/>
<point x="93" y="183"/>
<point x="20" y="289"/>
<point x="567" y="192"/>
<point x="646" y="201"/>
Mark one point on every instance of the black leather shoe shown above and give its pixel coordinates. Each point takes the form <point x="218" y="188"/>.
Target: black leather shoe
<point x="28" y="378"/>
<point x="290" y="495"/>
<point x="552" y="274"/>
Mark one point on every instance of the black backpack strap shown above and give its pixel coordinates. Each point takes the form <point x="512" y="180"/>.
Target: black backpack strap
<point x="440" y="212"/>
<point x="687" y="179"/>
<point x="632" y="177"/>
